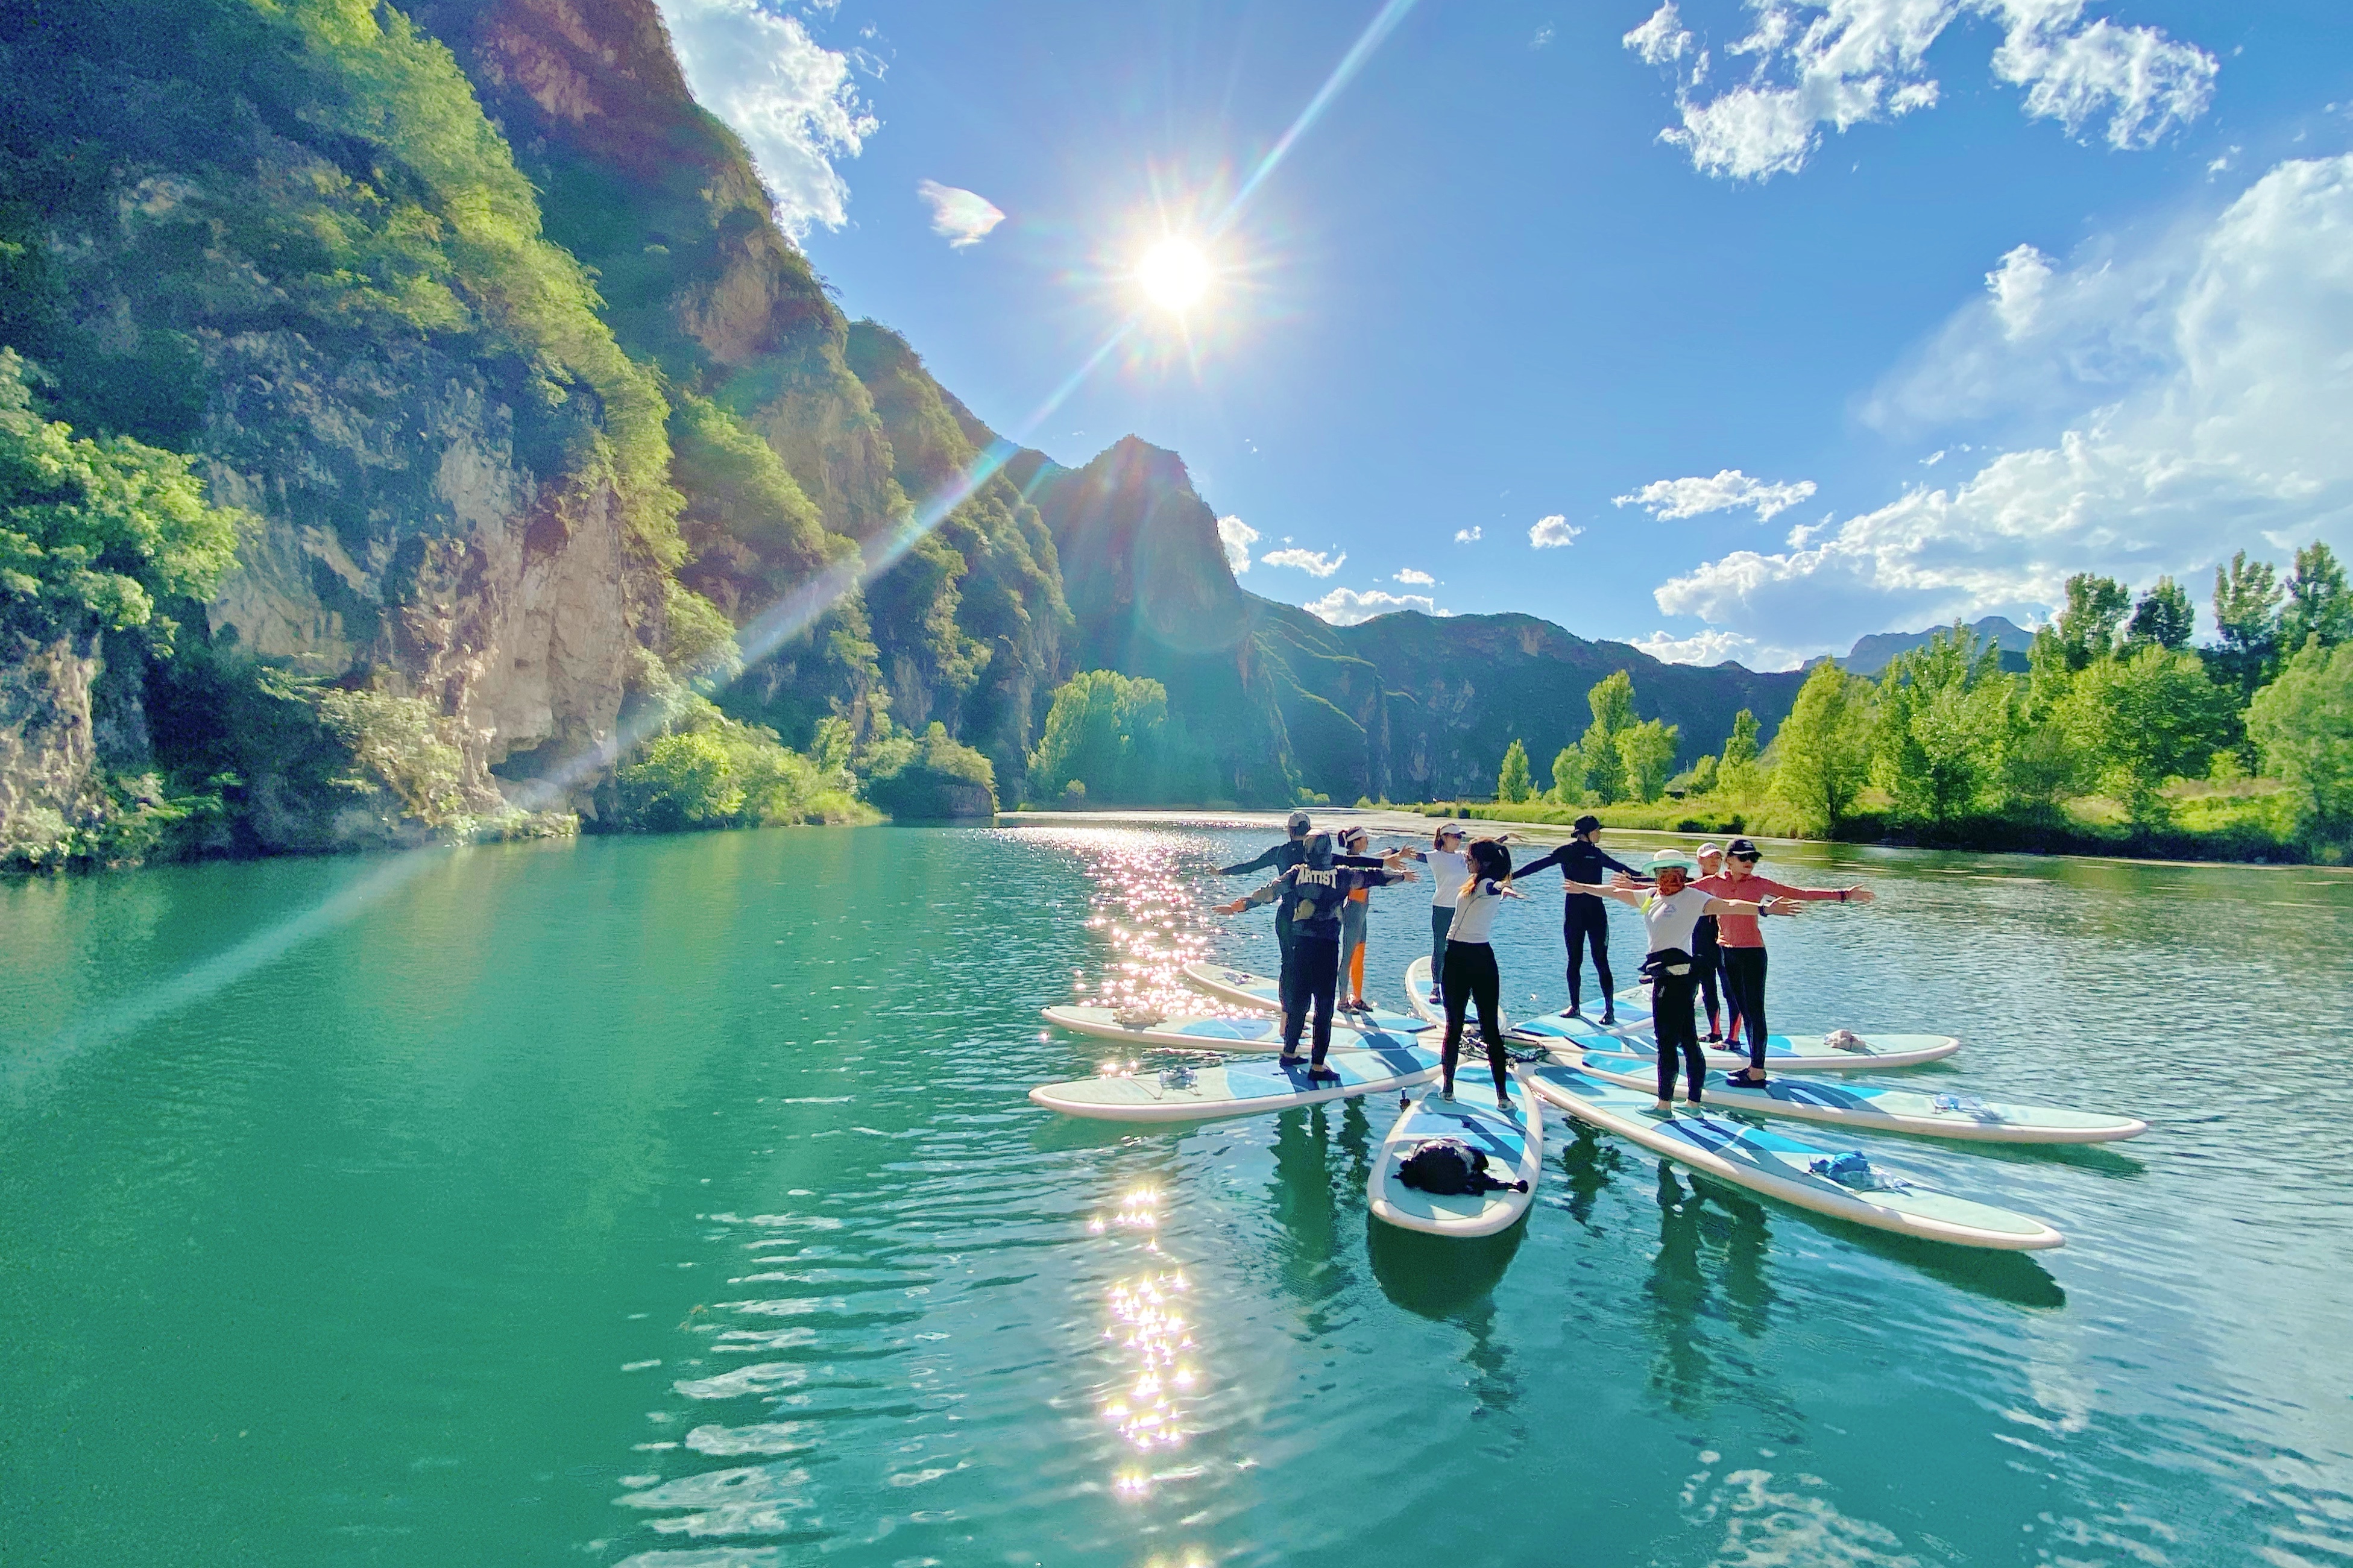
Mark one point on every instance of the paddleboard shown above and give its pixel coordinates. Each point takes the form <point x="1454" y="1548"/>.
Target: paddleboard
<point x="1883" y="1109"/>
<point x="1264" y="992"/>
<point x="1234" y="1089"/>
<point x="1202" y="1034"/>
<point x="1767" y="1161"/>
<point x="1783" y="1053"/>
<point x="1514" y="1139"/>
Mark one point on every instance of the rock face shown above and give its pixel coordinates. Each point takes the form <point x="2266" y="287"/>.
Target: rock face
<point x="49" y="752"/>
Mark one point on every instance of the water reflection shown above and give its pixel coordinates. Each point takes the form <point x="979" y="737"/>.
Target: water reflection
<point x="1452" y="1280"/>
<point x="1148" y="1325"/>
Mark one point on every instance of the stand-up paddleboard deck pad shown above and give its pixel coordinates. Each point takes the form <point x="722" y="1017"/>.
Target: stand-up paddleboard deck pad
<point x="1766" y="1162"/>
<point x="1200" y="1034"/>
<point x="1877" y="1109"/>
<point x="1513" y="1140"/>
<point x="1264" y="993"/>
<point x="1235" y="1088"/>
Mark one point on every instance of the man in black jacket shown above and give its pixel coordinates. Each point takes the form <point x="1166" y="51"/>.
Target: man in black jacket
<point x="1585" y="918"/>
<point x="1282" y="858"/>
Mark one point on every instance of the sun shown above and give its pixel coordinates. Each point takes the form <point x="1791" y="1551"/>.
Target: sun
<point x="1174" y="275"/>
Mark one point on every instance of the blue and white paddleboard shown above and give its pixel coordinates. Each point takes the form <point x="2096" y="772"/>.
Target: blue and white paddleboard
<point x="1766" y="1162"/>
<point x="1883" y="1109"/>
<point x="1514" y="1139"/>
<point x="1264" y="992"/>
<point x="1205" y="1034"/>
<point x="1235" y="1089"/>
<point x="1423" y="1000"/>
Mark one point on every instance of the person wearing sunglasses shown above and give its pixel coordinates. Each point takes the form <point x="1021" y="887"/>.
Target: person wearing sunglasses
<point x="1742" y="943"/>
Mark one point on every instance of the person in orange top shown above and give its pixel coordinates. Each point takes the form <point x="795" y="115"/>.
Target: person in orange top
<point x="1355" y="841"/>
<point x="1742" y="945"/>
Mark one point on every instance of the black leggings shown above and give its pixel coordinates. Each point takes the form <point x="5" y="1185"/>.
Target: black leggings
<point x="1315" y="975"/>
<point x="1744" y="988"/>
<point x="1470" y="977"/>
<point x="1587" y="918"/>
<point x="1706" y="970"/>
<point x="1670" y="1021"/>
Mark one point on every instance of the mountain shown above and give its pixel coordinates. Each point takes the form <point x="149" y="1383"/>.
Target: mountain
<point x="1871" y="654"/>
<point x="486" y="331"/>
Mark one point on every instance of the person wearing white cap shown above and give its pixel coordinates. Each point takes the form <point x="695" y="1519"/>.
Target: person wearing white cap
<point x="1704" y="948"/>
<point x="1670" y="911"/>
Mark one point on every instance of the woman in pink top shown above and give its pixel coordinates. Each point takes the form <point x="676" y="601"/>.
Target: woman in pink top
<point x="1742" y="945"/>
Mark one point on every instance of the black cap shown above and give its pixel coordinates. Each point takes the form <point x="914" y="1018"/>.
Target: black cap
<point x="1744" y="849"/>
<point x="1585" y="824"/>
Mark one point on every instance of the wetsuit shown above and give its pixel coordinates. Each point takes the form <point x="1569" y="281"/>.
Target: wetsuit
<point x="1585" y="918"/>
<point x="1471" y="977"/>
<point x="1314" y="898"/>
<point x="1283" y="858"/>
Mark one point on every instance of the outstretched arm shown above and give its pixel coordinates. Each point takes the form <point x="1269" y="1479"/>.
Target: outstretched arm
<point x="1551" y="858"/>
<point x="1630" y="897"/>
<point x="1265" y="895"/>
<point x="1858" y="894"/>
<point x="1260" y="863"/>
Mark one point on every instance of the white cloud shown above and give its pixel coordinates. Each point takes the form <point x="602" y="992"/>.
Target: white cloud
<point x="2017" y="286"/>
<point x="1418" y="579"/>
<point x="1346" y="607"/>
<point x="1843" y="63"/>
<point x="1712" y="646"/>
<point x="1543" y="36"/>
<point x="963" y="217"/>
<point x="1669" y="499"/>
<point x="1238" y="537"/>
<point x="790" y="97"/>
<point x="1315" y="563"/>
<point x="1552" y="532"/>
<point x="1468" y="535"/>
<point x="2231" y="432"/>
<point x="1663" y="39"/>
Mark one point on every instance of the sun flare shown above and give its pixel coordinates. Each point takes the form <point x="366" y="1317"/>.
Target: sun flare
<point x="1174" y="275"/>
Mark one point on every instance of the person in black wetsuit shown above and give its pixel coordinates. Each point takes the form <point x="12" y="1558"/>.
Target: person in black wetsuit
<point x="1585" y="918"/>
<point x="1282" y="858"/>
<point x="1314" y="890"/>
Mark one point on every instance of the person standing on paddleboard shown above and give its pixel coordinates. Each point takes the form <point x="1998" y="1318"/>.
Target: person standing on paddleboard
<point x="1585" y="919"/>
<point x="1744" y="943"/>
<point x="1670" y="911"/>
<point x="1449" y="868"/>
<point x="1706" y="949"/>
<point x="1315" y="890"/>
<point x="1283" y="858"/>
<point x="1470" y="974"/>
<point x="1354" y="842"/>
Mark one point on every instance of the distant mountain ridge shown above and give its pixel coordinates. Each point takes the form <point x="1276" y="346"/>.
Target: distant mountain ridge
<point x="1872" y="654"/>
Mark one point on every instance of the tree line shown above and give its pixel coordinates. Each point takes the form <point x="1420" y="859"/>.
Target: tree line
<point x="2118" y="724"/>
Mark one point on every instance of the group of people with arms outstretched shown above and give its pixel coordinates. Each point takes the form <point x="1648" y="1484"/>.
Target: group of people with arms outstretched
<point x="1700" y="916"/>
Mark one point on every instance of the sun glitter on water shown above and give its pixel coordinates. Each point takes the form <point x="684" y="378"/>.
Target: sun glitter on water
<point x="1174" y="275"/>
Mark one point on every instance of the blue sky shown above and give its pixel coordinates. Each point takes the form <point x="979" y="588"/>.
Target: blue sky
<point x="2098" y="255"/>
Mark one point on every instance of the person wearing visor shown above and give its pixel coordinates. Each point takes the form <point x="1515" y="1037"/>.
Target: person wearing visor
<point x="1743" y="944"/>
<point x="1282" y="858"/>
<point x="1584" y="918"/>
<point x="1449" y="868"/>
<point x="1671" y="911"/>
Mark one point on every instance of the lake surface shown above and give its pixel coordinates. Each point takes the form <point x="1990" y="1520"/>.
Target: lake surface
<point x="675" y="1202"/>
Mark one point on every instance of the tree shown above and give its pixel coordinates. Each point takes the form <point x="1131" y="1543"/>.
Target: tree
<point x="95" y="534"/>
<point x="2318" y="603"/>
<point x="1646" y="754"/>
<point x="1947" y="715"/>
<point x="2138" y="721"/>
<point x="1737" y="773"/>
<point x="2247" y="616"/>
<point x="1570" y="770"/>
<point x="1512" y="784"/>
<point x="2303" y="724"/>
<point x="2086" y="628"/>
<point x="1612" y="702"/>
<point x="1822" y="752"/>
<point x="2164" y="617"/>
<point x="1116" y="736"/>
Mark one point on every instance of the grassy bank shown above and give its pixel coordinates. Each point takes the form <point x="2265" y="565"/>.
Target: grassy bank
<point x="2203" y="822"/>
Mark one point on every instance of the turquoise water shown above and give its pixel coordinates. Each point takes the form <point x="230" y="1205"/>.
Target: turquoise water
<point x="676" y="1201"/>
